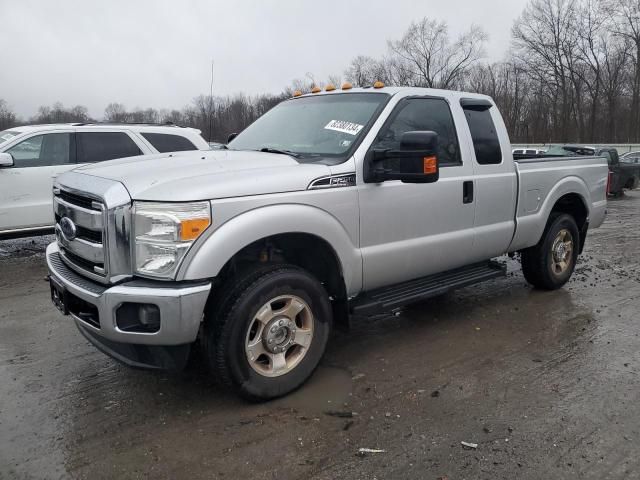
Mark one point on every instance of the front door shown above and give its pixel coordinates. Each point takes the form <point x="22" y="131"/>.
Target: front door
<point x="25" y="188"/>
<point x="411" y="230"/>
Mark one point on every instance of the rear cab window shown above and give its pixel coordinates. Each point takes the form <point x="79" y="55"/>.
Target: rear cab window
<point x="166" y="142"/>
<point x="486" y="143"/>
<point x="100" y="146"/>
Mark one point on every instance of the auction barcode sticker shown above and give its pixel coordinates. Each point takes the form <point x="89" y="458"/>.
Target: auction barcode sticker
<point x="344" y="127"/>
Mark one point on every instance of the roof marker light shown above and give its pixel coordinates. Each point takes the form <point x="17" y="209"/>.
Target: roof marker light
<point x="347" y="86"/>
<point x="378" y="84"/>
<point x="316" y="90"/>
<point x="330" y="88"/>
<point x="297" y="93"/>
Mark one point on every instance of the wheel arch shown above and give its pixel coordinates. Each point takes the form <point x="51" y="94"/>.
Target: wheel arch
<point x="311" y="234"/>
<point x="572" y="196"/>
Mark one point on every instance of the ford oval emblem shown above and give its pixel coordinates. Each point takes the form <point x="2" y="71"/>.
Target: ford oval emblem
<point x="68" y="228"/>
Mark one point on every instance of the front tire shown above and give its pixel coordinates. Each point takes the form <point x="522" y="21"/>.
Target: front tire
<point x="267" y="335"/>
<point x="550" y="264"/>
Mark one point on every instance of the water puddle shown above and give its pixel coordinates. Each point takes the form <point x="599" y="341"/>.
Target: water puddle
<point x="327" y="390"/>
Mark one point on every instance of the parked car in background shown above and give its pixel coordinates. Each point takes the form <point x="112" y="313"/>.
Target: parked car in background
<point x="353" y="201"/>
<point x="624" y="175"/>
<point x="31" y="156"/>
<point x="631" y="157"/>
<point x="527" y="151"/>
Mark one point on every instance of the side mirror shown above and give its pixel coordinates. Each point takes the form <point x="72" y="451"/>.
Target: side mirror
<point x="231" y="137"/>
<point x="416" y="161"/>
<point x="6" y="160"/>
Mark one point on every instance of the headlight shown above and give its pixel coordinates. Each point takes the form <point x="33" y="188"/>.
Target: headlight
<point x="164" y="232"/>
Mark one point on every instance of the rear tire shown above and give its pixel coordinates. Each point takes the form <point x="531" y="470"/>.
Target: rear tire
<point x="550" y="264"/>
<point x="267" y="335"/>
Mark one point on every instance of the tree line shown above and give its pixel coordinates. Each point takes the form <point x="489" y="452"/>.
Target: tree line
<point x="572" y="74"/>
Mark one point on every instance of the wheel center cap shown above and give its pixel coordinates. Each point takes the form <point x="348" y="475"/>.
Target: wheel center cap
<point x="560" y="252"/>
<point x="279" y="335"/>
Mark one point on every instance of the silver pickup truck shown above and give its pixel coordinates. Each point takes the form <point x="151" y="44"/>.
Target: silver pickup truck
<point x="333" y="204"/>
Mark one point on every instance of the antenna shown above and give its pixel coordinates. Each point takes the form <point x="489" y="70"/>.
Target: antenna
<point x="211" y="105"/>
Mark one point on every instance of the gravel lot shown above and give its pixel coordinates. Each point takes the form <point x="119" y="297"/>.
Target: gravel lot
<point x="545" y="383"/>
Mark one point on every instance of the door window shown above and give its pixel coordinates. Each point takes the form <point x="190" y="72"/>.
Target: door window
<point x="483" y="133"/>
<point x="100" y="146"/>
<point x="425" y="114"/>
<point x="164" y="142"/>
<point x="43" y="150"/>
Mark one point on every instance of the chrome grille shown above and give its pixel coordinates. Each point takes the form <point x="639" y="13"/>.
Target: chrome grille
<point x="85" y="250"/>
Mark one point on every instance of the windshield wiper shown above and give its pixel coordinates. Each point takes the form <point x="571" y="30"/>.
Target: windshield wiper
<point x="283" y="152"/>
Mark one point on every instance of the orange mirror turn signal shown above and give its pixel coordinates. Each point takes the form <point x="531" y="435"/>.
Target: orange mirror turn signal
<point x="430" y="165"/>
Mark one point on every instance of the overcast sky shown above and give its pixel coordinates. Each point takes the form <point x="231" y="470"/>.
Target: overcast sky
<point x="157" y="53"/>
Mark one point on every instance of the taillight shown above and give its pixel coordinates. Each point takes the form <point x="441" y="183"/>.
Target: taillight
<point x="609" y="183"/>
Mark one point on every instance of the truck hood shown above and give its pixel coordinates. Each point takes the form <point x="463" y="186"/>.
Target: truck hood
<point x="198" y="175"/>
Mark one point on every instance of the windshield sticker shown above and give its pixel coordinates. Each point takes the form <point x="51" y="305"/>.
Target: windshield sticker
<point x="344" y="127"/>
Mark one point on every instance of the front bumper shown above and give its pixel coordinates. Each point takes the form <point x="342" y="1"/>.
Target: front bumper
<point x="181" y="307"/>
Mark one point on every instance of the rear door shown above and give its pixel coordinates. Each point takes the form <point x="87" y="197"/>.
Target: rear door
<point x="98" y="146"/>
<point x="495" y="181"/>
<point x="25" y="188"/>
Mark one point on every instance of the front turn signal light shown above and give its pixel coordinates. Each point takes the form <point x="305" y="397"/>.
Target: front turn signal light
<point x="192" y="228"/>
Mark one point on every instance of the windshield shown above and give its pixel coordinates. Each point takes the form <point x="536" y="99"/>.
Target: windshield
<point x="6" y="135"/>
<point x="313" y="127"/>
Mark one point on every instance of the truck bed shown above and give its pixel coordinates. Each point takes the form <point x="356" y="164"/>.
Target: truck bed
<point x="543" y="181"/>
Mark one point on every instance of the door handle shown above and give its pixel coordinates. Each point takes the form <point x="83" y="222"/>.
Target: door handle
<point x="467" y="191"/>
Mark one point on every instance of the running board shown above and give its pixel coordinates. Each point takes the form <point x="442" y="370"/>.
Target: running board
<point x="401" y="294"/>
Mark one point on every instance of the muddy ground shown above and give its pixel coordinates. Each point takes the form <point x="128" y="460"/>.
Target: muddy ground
<point x="547" y="384"/>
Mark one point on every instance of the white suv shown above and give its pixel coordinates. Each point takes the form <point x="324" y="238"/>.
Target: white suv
<point x="31" y="156"/>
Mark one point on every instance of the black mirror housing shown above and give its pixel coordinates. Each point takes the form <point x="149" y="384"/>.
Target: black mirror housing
<point x="231" y="137"/>
<point x="416" y="161"/>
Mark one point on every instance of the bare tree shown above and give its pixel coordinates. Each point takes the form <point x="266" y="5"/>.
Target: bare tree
<point x="365" y="71"/>
<point x="57" y="113"/>
<point x="427" y="57"/>
<point x="544" y="38"/>
<point x="7" y="116"/>
<point x="626" y="24"/>
<point x="115" y="112"/>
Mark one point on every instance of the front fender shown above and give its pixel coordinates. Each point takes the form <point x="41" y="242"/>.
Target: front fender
<point x="213" y="252"/>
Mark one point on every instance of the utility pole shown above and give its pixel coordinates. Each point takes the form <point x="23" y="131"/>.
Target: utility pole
<point x="211" y="105"/>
